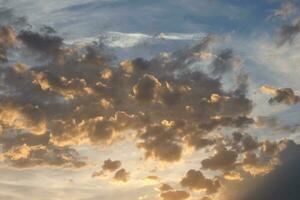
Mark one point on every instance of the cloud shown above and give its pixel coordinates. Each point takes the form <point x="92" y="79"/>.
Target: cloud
<point x="223" y="159"/>
<point x="111" y="165"/>
<point x="206" y="198"/>
<point x="152" y="178"/>
<point x="160" y="142"/>
<point x="39" y="156"/>
<point x="288" y="33"/>
<point x="276" y="125"/>
<point x="7" y="40"/>
<point x="233" y="176"/>
<point x="287" y="9"/>
<point x="281" y="95"/>
<point x="281" y="183"/>
<point x="43" y="43"/>
<point x="121" y="176"/>
<point x="244" y="142"/>
<point x="108" y="166"/>
<point x="165" y="187"/>
<point x="24" y="117"/>
<point x="145" y="89"/>
<point x="195" y="180"/>
<point x="174" y="195"/>
<point x="258" y="165"/>
<point x="224" y="62"/>
<point x="79" y="98"/>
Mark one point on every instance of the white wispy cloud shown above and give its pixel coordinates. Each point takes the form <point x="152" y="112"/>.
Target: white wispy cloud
<point x="126" y="40"/>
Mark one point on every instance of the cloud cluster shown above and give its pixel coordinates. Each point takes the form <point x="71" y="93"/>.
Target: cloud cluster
<point x="108" y="166"/>
<point x="28" y="151"/>
<point x="81" y="95"/>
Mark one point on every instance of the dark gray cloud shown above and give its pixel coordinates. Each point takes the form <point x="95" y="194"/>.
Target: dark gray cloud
<point x="41" y="42"/>
<point x="223" y="159"/>
<point x="282" y="183"/>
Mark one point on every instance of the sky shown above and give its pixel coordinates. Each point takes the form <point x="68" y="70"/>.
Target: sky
<point x="149" y="100"/>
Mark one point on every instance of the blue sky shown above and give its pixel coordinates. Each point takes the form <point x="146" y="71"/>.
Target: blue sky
<point x="150" y="17"/>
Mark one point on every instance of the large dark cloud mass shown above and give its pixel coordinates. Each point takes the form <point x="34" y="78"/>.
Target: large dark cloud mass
<point x="282" y="183"/>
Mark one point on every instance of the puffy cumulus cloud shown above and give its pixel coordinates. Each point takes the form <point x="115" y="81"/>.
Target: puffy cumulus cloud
<point x="195" y="180"/>
<point x="256" y="158"/>
<point x="165" y="187"/>
<point x="145" y="89"/>
<point x="281" y="183"/>
<point x="288" y="33"/>
<point x="108" y="166"/>
<point x="111" y="165"/>
<point x="223" y="159"/>
<point x="122" y="176"/>
<point x="24" y="117"/>
<point x="270" y="148"/>
<point x="244" y="142"/>
<point x="281" y="95"/>
<point x="256" y="165"/>
<point x="159" y="141"/>
<point x="174" y="195"/>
